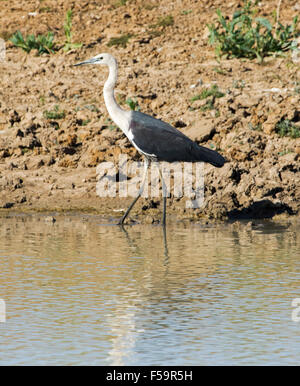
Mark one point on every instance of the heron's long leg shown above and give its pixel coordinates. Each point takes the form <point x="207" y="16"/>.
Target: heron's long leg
<point x="146" y="165"/>
<point x="164" y="189"/>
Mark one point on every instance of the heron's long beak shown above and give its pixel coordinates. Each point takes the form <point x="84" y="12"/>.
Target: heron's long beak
<point x="89" y="61"/>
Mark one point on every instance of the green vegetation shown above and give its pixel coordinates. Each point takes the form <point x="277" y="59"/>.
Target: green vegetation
<point x="110" y="124"/>
<point x="119" y="3"/>
<point x="213" y="92"/>
<point x="25" y="150"/>
<point x="163" y="22"/>
<point x="45" y="43"/>
<point x="186" y="11"/>
<point x="245" y="36"/>
<point x="149" y="6"/>
<point x="45" y="9"/>
<point x="220" y="70"/>
<point x="286" y="128"/>
<point x="41" y="43"/>
<point x="84" y="122"/>
<point x="133" y="104"/>
<point x="209" y="105"/>
<point x="210" y="94"/>
<point x="120" y="41"/>
<point x="54" y="114"/>
<point x="288" y="151"/>
<point x="68" y="33"/>
<point x="42" y="100"/>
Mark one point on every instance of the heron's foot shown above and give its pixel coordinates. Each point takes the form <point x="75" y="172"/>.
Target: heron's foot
<point x="129" y="221"/>
<point x="121" y="221"/>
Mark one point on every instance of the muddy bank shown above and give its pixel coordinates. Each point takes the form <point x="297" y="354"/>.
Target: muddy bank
<point x="48" y="161"/>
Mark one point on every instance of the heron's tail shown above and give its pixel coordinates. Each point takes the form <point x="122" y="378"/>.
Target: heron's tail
<point x="207" y="155"/>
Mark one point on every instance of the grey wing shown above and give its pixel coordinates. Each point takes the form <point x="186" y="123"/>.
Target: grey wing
<point x="158" y="138"/>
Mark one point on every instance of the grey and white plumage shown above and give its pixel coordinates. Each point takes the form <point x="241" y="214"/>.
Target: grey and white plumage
<point x="155" y="139"/>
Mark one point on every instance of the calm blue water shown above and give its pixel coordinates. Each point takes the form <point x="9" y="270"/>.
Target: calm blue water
<point x="82" y="292"/>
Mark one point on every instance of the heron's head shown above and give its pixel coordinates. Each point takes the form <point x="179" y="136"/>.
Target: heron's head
<point x="104" y="59"/>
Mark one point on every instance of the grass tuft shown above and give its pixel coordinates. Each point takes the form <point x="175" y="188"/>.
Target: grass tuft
<point x="209" y="92"/>
<point x="163" y="22"/>
<point x="286" y="128"/>
<point x="68" y="45"/>
<point x="120" y="41"/>
<point x="56" y="113"/>
<point x="133" y="104"/>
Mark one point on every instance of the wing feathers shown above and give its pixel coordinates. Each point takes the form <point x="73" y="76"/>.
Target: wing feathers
<point x="153" y="136"/>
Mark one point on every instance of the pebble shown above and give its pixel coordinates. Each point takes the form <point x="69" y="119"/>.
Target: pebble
<point x="50" y="219"/>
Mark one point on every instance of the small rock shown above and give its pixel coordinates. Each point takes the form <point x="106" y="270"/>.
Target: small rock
<point x="82" y="115"/>
<point x="149" y="220"/>
<point x="50" y="219"/>
<point x="204" y="131"/>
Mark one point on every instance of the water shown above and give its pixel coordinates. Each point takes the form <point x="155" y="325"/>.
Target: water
<point x="82" y="292"/>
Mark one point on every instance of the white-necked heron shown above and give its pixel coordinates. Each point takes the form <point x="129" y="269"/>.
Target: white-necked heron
<point x="154" y="139"/>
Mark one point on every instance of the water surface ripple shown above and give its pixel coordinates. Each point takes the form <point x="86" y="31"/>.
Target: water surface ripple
<point x="82" y="292"/>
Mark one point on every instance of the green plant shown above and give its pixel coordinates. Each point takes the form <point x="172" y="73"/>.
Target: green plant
<point x="163" y="22"/>
<point x="42" y="43"/>
<point x="284" y="152"/>
<point x="84" y="122"/>
<point x="219" y="70"/>
<point x="25" y="150"/>
<point x="213" y="92"/>
<point x="186" y="11"/>
<point x="120" y="41"/>
<point x="133" y="104"/>
<point x="119" y="3"/>
<point x="149" y="6"/>
<point x="42" y="100"/>
<point x="54" y="114"/>
<point x="209" y="105"/>
<point x="110" y="124"/>
<point x="68" y="45"/>
<point x="286" y="128"/>
<point x="245" y="36"/>
<point x="45" y="9"/>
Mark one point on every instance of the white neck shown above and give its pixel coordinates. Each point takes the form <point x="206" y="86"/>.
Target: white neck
<point x="118" y="115"/>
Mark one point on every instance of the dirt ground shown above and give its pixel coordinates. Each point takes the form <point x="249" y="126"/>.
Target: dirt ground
<point x="50" y="164"/>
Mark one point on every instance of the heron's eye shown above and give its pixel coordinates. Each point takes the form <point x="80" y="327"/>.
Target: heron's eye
<point x="101" y="58"/>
